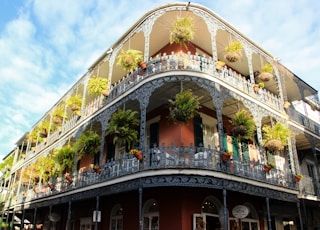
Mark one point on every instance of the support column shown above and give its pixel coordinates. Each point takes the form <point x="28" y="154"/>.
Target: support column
<point x="299" y="213"/>
<point x="140" y="208"/>
<point x="268" y="214"/>
<point x="97" y="209"/>
<point x="225" y="210"/>
<point x="34" y="218"/>
<point x="68" y="226"/>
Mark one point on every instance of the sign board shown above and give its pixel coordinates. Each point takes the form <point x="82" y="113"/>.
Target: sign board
<point x="96" y="216"/>
<point x="240" y="211"/>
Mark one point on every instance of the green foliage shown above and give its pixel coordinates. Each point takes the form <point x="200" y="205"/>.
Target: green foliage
<point x="267" y="68"/>
<point x="5" y="166"/>
<point x="245" y="127"/>
<point x="124" y="126"/>
<point x="97" y="85"/>
<point x="261" y="85"/>
<point x="64" y="157"/>
<point x="278" y="133"/>
<point x="184" y="107"/>
<point x="182" y="31"/>
<point x="60" y="112"/>
<point x="88" y="143"/>
<point x="129" y="59"/>
<point x="45" y="168"/>
<point x="235" y="46"/>
<point x="74" y="102"/>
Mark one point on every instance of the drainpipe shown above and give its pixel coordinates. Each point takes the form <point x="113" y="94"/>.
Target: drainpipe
<point x="268" y="213"/>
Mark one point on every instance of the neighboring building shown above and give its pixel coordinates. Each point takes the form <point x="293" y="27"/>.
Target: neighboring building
<point x="183" y="181"/>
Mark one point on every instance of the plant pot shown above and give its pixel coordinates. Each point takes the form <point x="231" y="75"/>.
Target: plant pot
<point x="69" y="178"/>
<point x="225" y="156"/>
<point x="267" y="168"/>
<point x="51" y="186"/>
<point x="297" y="179"/>
<point x="256" y="88"/>
<point x="233" y="56"/>
<point x="97" y="170"/>
<point x="143" y="65"/>
<point x="138" y="155"/>
<point x="239" y="130"/>
<point x="74" y="107"/>
<point x="57" y="120"/>
<point x="265" y="76"/>
<point x="105" y="93"/>
<point x="273" y="145"/>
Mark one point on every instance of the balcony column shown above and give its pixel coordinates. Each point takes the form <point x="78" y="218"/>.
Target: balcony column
<point x="34" y="218"/>
<point x="248" y="53"/>
<point x="140" y="208"/>
<point x="97" y="209"/>
<point x="68" y="227"/>
<point x="299" y="213"/>
<point x="218" y="97"/>
<point x="293" y="155"/>
<point x="143" y="95"/>
<point x="212" y="27"/>
<point x="268" y="213"/>
<point x="225" y="210"/>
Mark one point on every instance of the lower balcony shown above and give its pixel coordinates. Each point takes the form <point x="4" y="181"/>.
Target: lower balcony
<point x="183" y="159"/>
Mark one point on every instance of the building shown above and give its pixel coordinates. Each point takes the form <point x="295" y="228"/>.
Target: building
<point x="183" y="180"/>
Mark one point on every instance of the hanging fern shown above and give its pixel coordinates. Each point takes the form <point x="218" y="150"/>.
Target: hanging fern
<point x="88" y="143"/>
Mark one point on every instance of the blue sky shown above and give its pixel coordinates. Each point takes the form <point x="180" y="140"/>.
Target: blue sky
<point x="47" y="45"/>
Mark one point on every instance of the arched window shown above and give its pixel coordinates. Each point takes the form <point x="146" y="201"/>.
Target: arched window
<point x="150" y="215"/>
<point x="116" y="218"/>
<point x="210" y="212"/>
<point x="251" y="222"/>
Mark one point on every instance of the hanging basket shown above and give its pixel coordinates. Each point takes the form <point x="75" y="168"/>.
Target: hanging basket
<point x="232" y="56"/>
<point x="273" y="145"/>
<point x="239" y="130"/>
<point x="265" y="76"/>
<point x="57" y="120"/>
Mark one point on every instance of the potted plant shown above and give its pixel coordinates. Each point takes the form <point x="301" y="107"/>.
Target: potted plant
<point x="256" y="87"/>
<point x="266" y="72"/>
<point x="233" y="51"/>
<point x="123" y="126"/>
<point x="220" y="65"/>
<point x="129" y="59"/>
<point x="286" y="104"/>
<point x="182" y="31"/>
<point x="137" y="153"/>
<point x="226" y="155"/>
<point x="64" y="158"/>
<point x="59" y="114"/>
<point x="244" y="126"/>
<point x="88" y="143"/>
<point x="184" y="107"/>
<point x="298" y="177"/>
<point x="45" y="167"/>
<point x="269" y="166"/>
<point x="44" y="128"/>
<point x="275" y="138"/>
<point x="75" y="102"/>
<point x="98" y="86"/>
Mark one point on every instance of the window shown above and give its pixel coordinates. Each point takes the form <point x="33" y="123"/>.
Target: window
<point x="151" y="215"/>
<point x="251" y="222"/>
<point x="210" y="211"/>
<point x="116" y="218"/>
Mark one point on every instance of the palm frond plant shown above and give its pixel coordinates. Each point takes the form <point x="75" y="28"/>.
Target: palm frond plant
<point x="129" y="59"/>
<point x="59" y="114"/>
<point x="182" y="31"/>
<point x="123" y="125"/>
<point x="98" y="86"/>
<point x="45" y="167"/>
<point x="64" y="157"/>
<point x="275" y="138"/>
<point x="75" y="102"/>
<point x="184" y="107"/>
<point x="266" y="72"/>
<point x="88" y="143"/>
<point x="244" y="126"/>
<point x="233" y="51"/>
